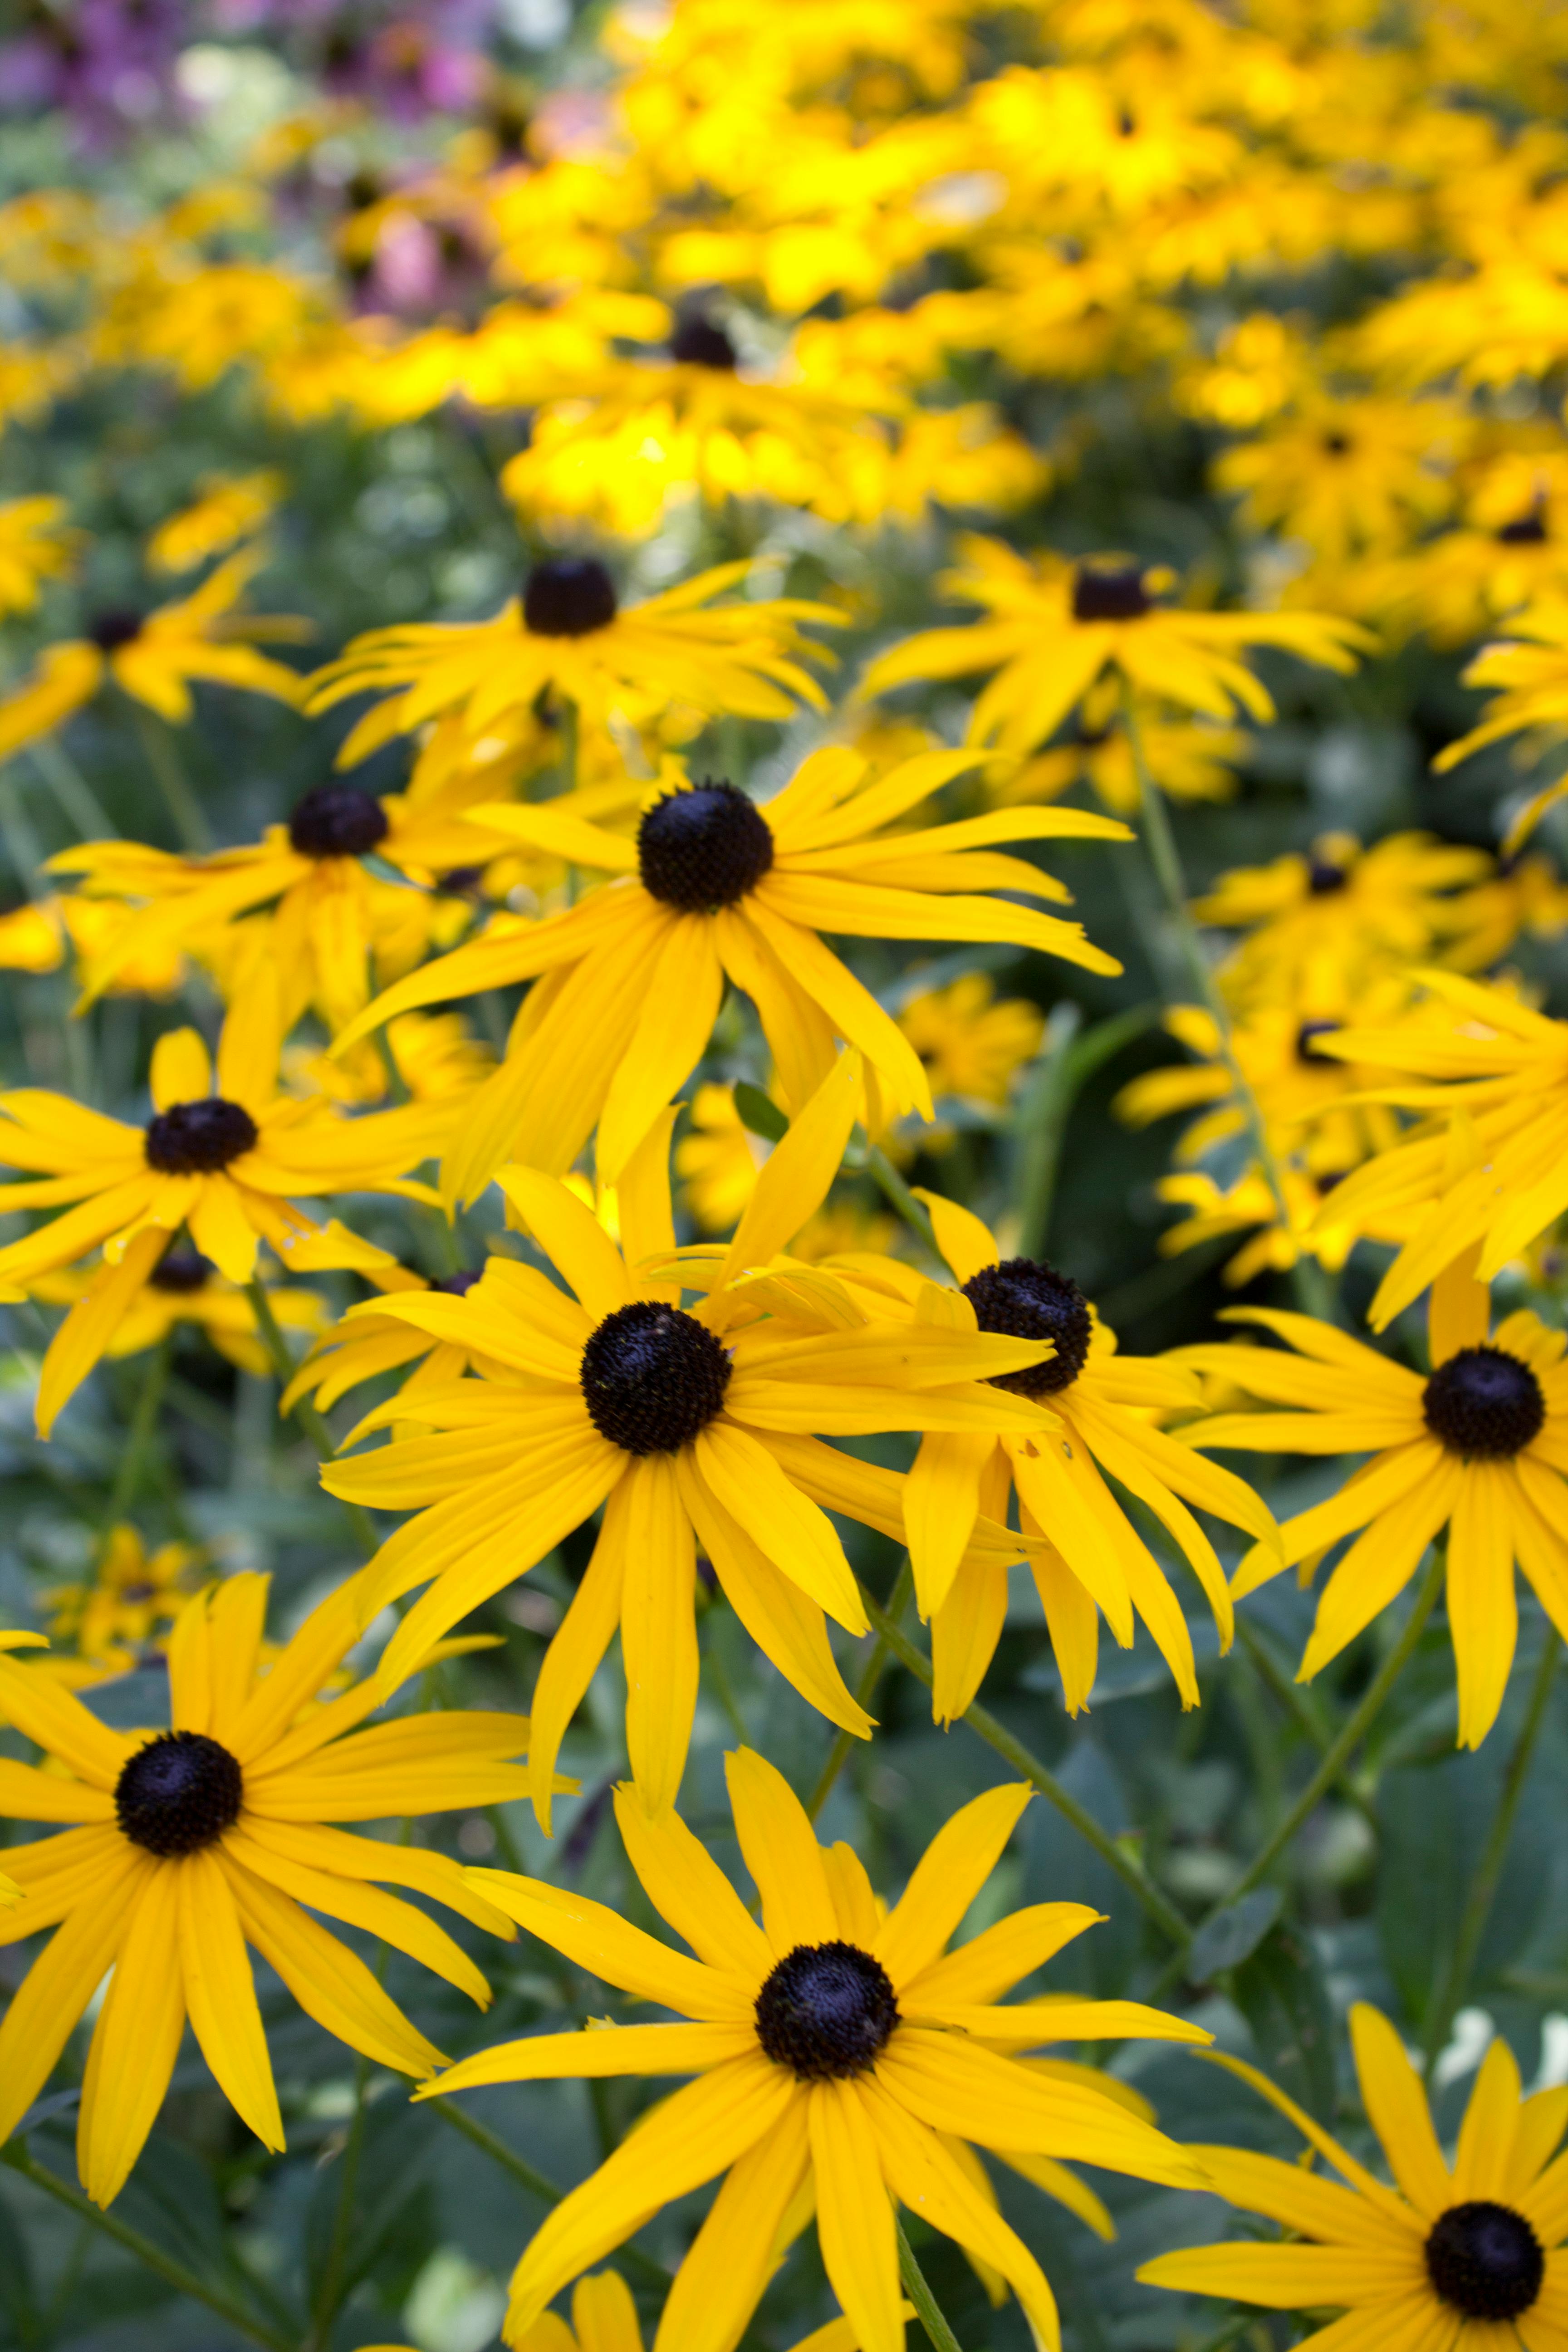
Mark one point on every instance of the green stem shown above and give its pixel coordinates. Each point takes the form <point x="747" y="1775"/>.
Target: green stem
<point x="1068" y="1062"/>
<point x="162" y="757"/>
<point x="928" y="2311"/>
<point x="139" y="1438"/>
<point x="330" y="2295"/>
<point x="1115" y="1856"/>
<point x="173" y="2273"/>
<point x="723" y="1690"/>
<point x="1348" y="1738"/>
<point x="302" y="1411"/>
<point x="1483" y="1895"/>
<point x="1307" y="1278"/>
<point x="79" y="802"/>
<point x="894" y="1190"/>
<point x="1293" y="1700"/>
<point x="898" y="1602"/>
<point x="490" y="2144"/>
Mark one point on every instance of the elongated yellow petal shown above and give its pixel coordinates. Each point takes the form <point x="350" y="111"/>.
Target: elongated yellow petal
<point x="781" y="1854"/>
<point x="658" y="1630"/>
<point x="220" y="1994"/>
<point x="135" y="2041"/>
<point x="722" y="2278"/>
<point x="855" y="2215"/>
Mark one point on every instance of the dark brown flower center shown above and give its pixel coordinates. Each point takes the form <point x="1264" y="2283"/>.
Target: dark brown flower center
<point x="653" y="1377"/>
<point x="1324" y="877"/>
<point x="703" y="848"/>
<point x="178" y="1793"/>
<point x="1485" y="1404"/>
<point x="1526" y="530"/>
<point x="1022" y="1299"/>
<point x="198" y="1139"/>
<point x="180" y="1271"/>
<point x="337" y="821"/>
<point x="458" y="1286"/>
<point x="826" y="2011"/>
<point x="1103" y="591"/>
<point x="697" y="343"/>
<point x="1307" y="1037"/>
<point x="119" y="626"/>
<point x="569" y="596"/>
<point x="1485" y="2260"/>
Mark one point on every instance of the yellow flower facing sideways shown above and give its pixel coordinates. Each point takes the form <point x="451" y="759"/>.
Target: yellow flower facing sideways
<point x="841" y="2054"/>
<point x="712" y="888"/>
<point x="1086" y="1556"/>
<point x="133" y="1599"/>
<point x="1480" y="1446"/>
<point x="604" y="2319"/>
<point x="231" y="507"/>
<point x="229" y="1166"/>
<point x="697" y="1426"/>
<point x="157" y="657"/>
<point x="1093" y="617"/>
<point x="1460" y="2256"/>
<point x="569" y="636"/>
<point x="1531" y="666"/>
<point x="1498" y="1177"/>
<point x="35" y="545"/>
<point x="185" y="1845"/>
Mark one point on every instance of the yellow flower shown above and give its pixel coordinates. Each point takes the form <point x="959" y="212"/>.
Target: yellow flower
<point x="230" y="508"/>
<point x="334" y="923"/>
<point x="1319" y="924"/>
<point x="156" y="656"/>
<point x="831" y="2044"/>
<point x="135" y="1597"/>
<point x="712" y="888"/>
<point x="1086" y="1556"/>
<point x="1478" y="1447"/>
<point x="1192" y="762"/>
<point x="1347" y="475"/>
<point x="196" y="1841"/>
<point x="568" y="635"/>
<point x="697" y="1426"/>
<point x="1216" y="1210"/>
<point x="1496" y="1070"/>
<point x="35" y="545"/>
<point x="1531" y="667"/>
<point x="222" y="1164"/>
<point x="1094" y="616"/>
<point x="969" y="1045"/>
<point x="363" y="1347"/>
<point x="604" y="2319"/>
<point x="181" y="1288"/>
<point x="1465" y="2254"/>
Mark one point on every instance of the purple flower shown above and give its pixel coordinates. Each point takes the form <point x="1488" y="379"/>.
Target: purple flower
<point x="107" y="63"/>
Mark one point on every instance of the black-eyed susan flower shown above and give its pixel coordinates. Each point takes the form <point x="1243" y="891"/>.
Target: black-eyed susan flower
<point x="35" y="545"/>
<point x="569" y="636"/>
<point x="230" y="508"/>
<point x="1530" y="668"/>
<point x="127" y="1608"/>
<point x="1053" y="628"/>
<point x="604" y="2319"/>
<point x="188" y="1845"/>
<point x="717" y="1161"/>
<point x="1497" y="1071"/>
<point x="370" y="1344"/>
<point x="181" y="1289"/>
<point x="230" y="1166"/>
<point x="1464" y="2255"/>
<point x="1088" y="1559"/>
<point x="697" y="1426"/>
<point x="716" y="888"/>
<point x="970" y="1045"/>
<point x="157" y="657"/>
<point x="1479" y="1447"/>
<point x="831" y="2042"/>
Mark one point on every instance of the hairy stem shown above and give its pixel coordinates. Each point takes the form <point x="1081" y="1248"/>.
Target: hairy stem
<point x="302" y="1411"/>
<point x="928" y="2311"/>
<point x="138" y="1437"/>
<point x="897" y="1195"/>
<point x="898" y="1602"/>
<point x="984" y="1724"/>
<point x="1456" y="1976"/>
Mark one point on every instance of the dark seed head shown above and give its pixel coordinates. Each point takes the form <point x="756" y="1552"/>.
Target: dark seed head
<point x="1485" y="2260"/>
<point x="458" y="1286"/>
<point x="1109" y="592"/>
<point x="1527" y="530"/>
<point x="697" y="343"/>
<point x="826" y="2011"/>
<point x="1324" y="877"/>
<point x="117" y="628"/>
<point x="198" y="1139"/>
<point x="178" y="1793"/>
<point x="569" y="596"/>
<point x="337" y="821"/>
<point x="180" y="1271"/>
<point x="1307" y="1037"/>
<point x="703" y="848"/>
<point x="1485" y="1404"/>
<point x="1336" y="445"/>
<point x="653" y="1377"/>
<point x="1024" y="1300"/>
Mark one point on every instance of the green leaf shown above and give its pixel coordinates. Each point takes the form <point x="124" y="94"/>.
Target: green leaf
<point x="1281" y="1993"/>
<point x="758" y="1113"/>
<point x="1233" y="1935"/>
